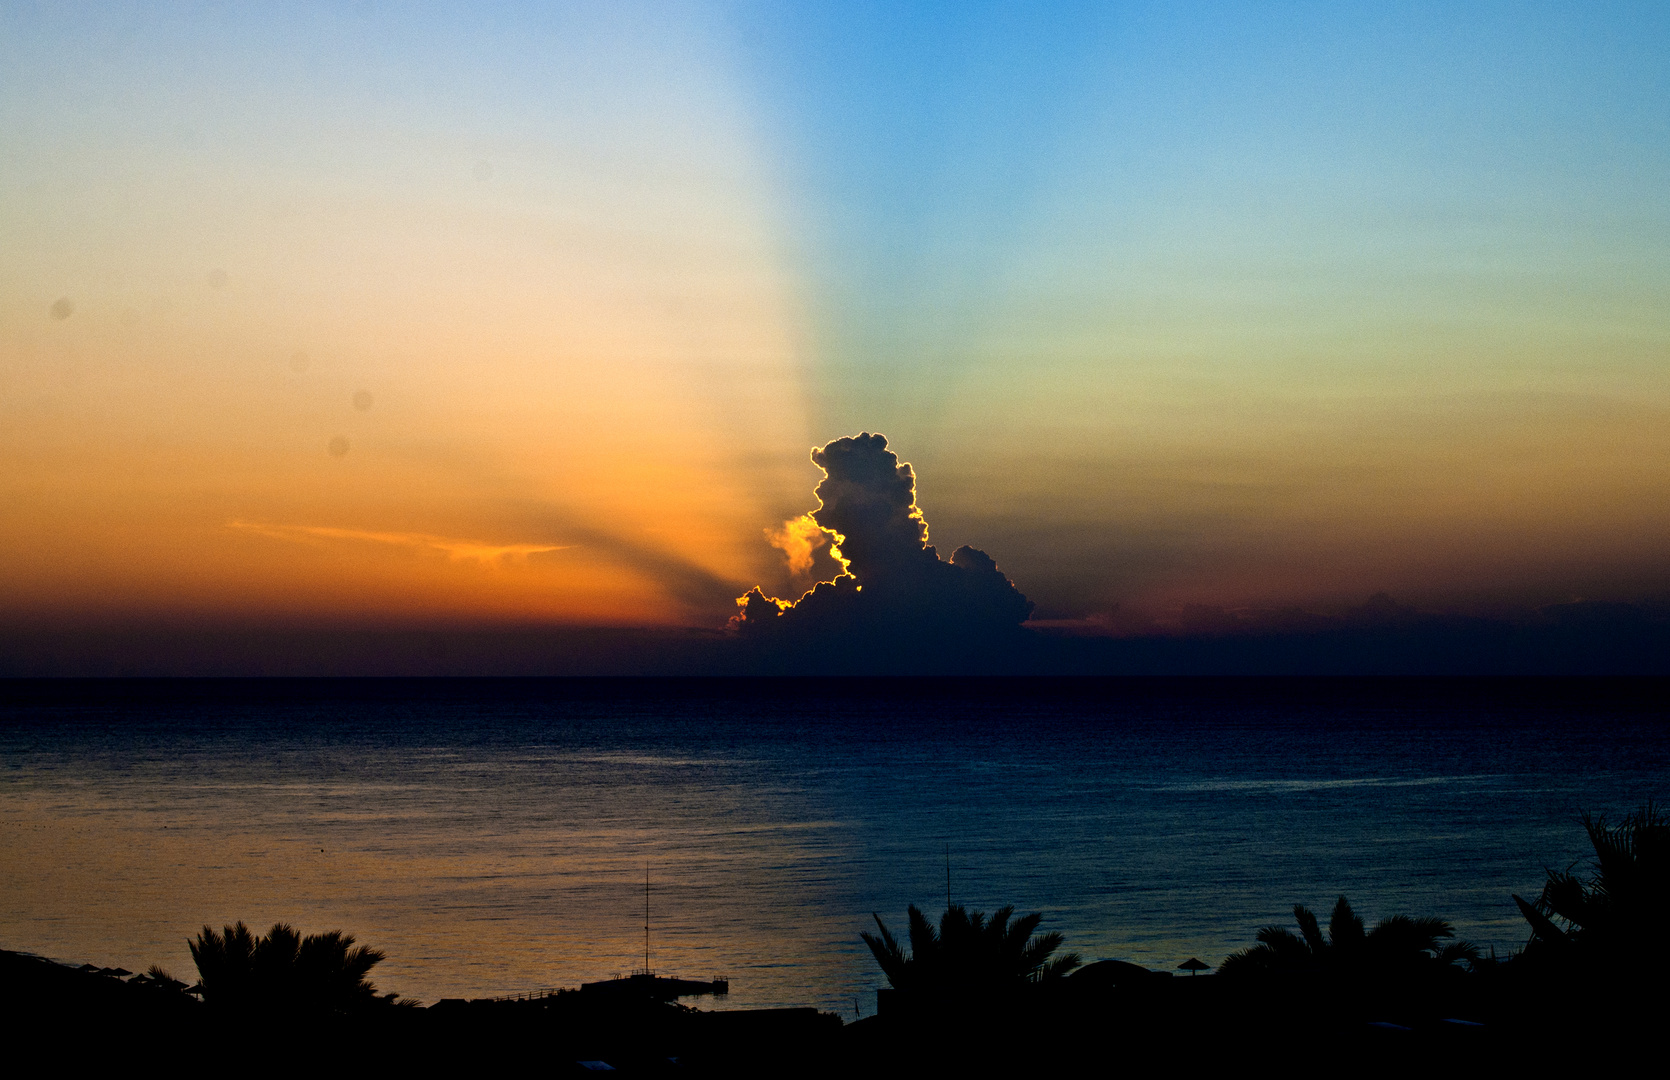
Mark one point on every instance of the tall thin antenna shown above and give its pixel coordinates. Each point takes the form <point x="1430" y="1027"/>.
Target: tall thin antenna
<point x="646" y="918"/>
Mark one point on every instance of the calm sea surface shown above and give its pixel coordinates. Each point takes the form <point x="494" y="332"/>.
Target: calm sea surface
<point x="493" y="837"/>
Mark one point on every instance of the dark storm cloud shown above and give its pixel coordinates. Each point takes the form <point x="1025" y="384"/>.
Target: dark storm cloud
<point x="898" y="602"/>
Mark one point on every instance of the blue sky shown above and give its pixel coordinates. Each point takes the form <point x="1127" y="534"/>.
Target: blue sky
<point x="1237" y="304"/>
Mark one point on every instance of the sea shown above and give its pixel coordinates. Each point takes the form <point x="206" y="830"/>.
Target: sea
<point x="497" y="838"/>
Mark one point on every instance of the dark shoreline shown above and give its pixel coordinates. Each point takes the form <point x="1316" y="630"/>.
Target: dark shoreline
<point x="1459" y="1023"/>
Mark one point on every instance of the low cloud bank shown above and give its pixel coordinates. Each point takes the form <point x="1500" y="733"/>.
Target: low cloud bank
<point x="897" y="605"/>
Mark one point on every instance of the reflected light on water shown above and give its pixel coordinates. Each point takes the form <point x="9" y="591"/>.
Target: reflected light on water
<point x="492" y="838"/>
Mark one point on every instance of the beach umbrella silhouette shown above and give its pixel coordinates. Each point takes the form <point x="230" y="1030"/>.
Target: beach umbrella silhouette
<point x="1193" y="966"/>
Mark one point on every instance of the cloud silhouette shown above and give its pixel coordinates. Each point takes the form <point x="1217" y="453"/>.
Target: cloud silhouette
<point x="896" y="600"/>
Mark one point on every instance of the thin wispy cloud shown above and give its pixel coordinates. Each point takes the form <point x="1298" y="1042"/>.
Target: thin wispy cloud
<point x="455" y="549"/>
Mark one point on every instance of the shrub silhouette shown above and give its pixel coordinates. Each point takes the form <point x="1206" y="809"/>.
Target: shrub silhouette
<point x="285" y="972"/>
<point x="1618" y="917"/>
<point x="1398" y="945"/>
<point x="969" y="954"/>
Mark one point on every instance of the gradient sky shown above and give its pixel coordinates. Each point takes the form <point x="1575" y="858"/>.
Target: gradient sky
<point x="371" y="314"/>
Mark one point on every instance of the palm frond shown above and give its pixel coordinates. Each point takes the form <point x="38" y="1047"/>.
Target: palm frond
<point x="889" y="955"/>
<point x="1345" y="927"/>
<point x="1026" y="926"/>
<point x="162" y="977"/>
<point x="1060" y="966"/>
<point x="1257" y="960"/>
<point x="1458" y="952"/>
<point x="924" y="939"/>
<point x="1035" y="954"/>
<point x="1542" y="927"/>
<point x="1401" y="937"/>
<point x="1281" y="939"/>
<point x="1307" y="926"/>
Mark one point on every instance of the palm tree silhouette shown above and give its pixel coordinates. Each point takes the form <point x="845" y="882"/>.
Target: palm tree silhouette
<point x="969" y="953"/>
<point x="1396" y="944"/>
<point x="1620" y="915"/>
<point x="319" y="973"/>
<point x="225" y="963"/>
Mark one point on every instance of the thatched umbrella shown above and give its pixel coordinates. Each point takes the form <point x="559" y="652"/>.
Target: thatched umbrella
<point x="1193" y="966"/>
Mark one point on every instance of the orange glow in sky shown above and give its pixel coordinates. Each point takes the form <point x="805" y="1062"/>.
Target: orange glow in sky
<point x="356" y="318"/>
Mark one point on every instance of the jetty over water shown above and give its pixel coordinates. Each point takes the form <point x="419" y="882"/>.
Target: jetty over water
<point x="647" y="985"/>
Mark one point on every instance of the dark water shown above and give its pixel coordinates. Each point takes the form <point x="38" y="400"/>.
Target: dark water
<point x="493" y="837"/>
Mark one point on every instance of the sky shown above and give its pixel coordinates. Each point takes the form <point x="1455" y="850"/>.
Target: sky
<point x="530" y="315"/>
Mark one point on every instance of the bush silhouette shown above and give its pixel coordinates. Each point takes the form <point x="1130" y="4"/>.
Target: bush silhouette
<point x="969" y="954"/>
<point x="1618" y="917"/>
<point x="285" y="972"/>
<point x="1398" y="945"/>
